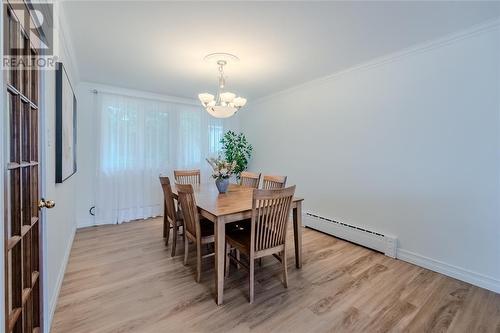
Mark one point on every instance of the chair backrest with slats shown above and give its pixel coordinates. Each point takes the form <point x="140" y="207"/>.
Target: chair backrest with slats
<point x="187" y="177"/>
<point x="169" y="199"/>
<point x="273" y="182"/>
<point x="250" y="179"/>
<point x="189" y="209"/>
<point x="270" y="215"/>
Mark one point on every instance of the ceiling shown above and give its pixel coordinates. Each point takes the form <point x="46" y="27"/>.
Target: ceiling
<point x="159" y="46"/>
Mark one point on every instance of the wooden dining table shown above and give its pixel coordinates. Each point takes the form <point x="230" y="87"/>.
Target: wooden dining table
<point x="232" y="206"/>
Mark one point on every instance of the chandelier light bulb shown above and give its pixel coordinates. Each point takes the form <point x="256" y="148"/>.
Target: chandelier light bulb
<point x="239" y="102"/>
<point x="206" y="98"/>
<point x="227" y="97"/>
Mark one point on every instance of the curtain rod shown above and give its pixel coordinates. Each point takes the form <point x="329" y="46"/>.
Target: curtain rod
<point x="169" y="99"/>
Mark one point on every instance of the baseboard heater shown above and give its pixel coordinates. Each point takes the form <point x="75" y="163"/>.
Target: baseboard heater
<point x="386" y="244"/>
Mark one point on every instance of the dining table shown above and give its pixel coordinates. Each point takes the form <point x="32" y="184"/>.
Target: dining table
<point x="235" y="205"/>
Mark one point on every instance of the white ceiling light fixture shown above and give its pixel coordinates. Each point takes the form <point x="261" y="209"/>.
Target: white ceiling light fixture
<point x="224" y="104"/>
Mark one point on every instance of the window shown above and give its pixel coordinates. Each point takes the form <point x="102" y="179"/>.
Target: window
<point x="215" y="133"/>
<point x="140" y="139"/>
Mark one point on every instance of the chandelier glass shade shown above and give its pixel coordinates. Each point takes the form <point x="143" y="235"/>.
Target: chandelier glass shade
<point x="225" y="103"/>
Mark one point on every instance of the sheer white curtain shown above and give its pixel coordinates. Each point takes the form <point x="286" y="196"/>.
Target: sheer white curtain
<point x="139" y="139"/>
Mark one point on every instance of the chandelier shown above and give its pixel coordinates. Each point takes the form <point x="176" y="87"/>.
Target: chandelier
<point x="224" y="104"/>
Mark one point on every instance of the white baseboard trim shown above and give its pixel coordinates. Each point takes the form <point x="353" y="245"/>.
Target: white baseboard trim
<point x="459" y="273"/>
<point x="380" y="244"/>
<point x="60" y="277"/>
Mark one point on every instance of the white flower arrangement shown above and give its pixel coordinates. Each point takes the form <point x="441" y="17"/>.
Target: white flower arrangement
<point x="221" y="168"/>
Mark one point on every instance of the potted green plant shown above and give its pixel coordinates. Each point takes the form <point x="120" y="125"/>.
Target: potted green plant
<point x="236" y="149"/>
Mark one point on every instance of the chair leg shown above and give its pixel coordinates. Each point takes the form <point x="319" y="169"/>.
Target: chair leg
<point x="285" y="273"/>
<point x="228" y="251"/>
<point x="166" y="230"/>
<point x="198" y="261"/>
<point x="165" y="220"/>
<point x="251" y="273"/>
<point x="174" y="239"/>
<point x="186" y="250"/>
<point x="239" y="259"/>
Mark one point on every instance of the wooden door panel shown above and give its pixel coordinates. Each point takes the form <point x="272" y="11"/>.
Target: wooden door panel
<point x="14" y="128"/>
<point x="22" y="225"/>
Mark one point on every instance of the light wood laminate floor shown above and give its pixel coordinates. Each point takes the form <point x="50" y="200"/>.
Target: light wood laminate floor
<point x="121" y="278"/>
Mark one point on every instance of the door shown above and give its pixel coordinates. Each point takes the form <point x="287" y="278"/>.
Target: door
<point x="22" y="239"/>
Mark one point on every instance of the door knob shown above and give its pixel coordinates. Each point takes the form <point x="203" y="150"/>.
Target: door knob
<point x="46" y="203"/>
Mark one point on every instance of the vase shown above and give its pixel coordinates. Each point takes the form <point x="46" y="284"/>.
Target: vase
<point x="222" y="184"/>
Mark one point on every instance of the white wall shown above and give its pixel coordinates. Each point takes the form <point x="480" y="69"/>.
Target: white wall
<point x="59" y="222"/>
<point x="87" y="153"/>
<point x="406" y="145"/>
<point x="86" y="159"/>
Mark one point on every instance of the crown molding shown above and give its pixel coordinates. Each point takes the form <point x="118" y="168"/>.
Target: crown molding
<point x="392" y="57"/>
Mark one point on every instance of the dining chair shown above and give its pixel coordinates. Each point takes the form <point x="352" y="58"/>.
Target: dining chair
<point x="171" y="217"/>
<point x="274" y="182"/>
<point x="250" y="179"/>
<point x="267" y="235"/>
<point x="199" y="231"/>
<point x="187" y="177"/>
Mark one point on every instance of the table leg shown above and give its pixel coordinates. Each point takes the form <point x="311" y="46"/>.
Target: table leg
<point x="297" y="233"/>
<point x="220" y="240"/>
